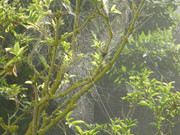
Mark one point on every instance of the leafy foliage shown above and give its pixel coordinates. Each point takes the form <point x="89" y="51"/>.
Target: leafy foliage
<point x="160" y="97"/>
<point x="156" y="51"/>
<point x="115" y="126"/>
<point x="40" y="40"/>
<point x="161" y="15"/>
<point x="46" y="36"/>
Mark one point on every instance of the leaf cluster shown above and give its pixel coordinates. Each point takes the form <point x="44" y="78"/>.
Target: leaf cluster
<point x="158" y="96"/>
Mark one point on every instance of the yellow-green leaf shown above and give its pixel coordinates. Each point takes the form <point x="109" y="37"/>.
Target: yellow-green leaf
<point x="113" y="8"/>
<point x="77" y="122"/>
<point x="144" y="103"/>
<point x="21" y="51"/>
<point x="10" y="50"/>
<point x="79" y="129"/>
<point x="123" y="68"/>
<point x="28" y="82"/>
<point x="117" y="12"/>
<point x="16" y="48"/>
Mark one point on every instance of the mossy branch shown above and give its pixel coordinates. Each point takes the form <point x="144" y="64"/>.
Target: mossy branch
<point x="109" y="65"/>
<point x="11" y="129"/>
<point x="87" y="85"/>
<point x="35" y="113"/>
<point x="57" y="119"/>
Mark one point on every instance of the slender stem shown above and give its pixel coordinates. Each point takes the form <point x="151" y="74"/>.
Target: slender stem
<point x="79" y="28"/>
<point x="106" y="18"/>
<point x="74" y="37"/>
<point x="46" y="85"/>
<point x="35" y="114"/>
<point x="83" y="3"/>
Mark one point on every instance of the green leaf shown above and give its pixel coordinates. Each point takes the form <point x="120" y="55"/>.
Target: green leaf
<point x="16" y="48"/>
<point x="10" y="50"/>
<point x="144" y="103"/>
<point x="153" y="124"/>
<point x="113" y="7"/>
<point x="155" y="94"/>
<point x="2" y="37"/>
<point x="70" y="119"/>
<point x="79" y="129"/>
<point x="117" y="12"/>
<point x="28" y="82"/>
<point x="123" y="125"/>
<point x="43" y="60"/>
<point x="108" y="72"/>
<point x="68" y="115"/>
<point x="123" y="68"/>
<point x="123" y="130"/>
<point x="178" y="47"/>
<point x="32" y="25"/>
<point x="94" y="130"/>
<point x="105" y="126"/>
<point x="21" y="51"/>
<point x="77" y="122"/>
